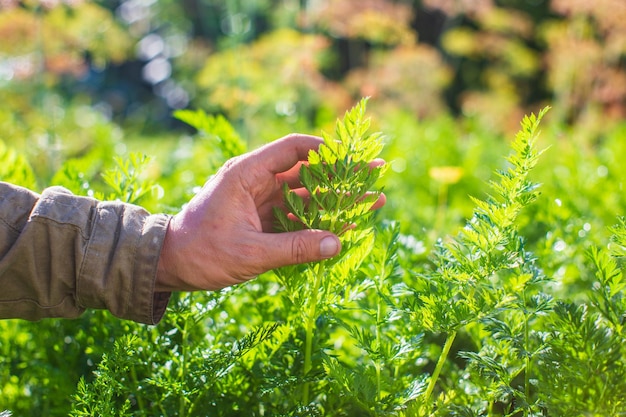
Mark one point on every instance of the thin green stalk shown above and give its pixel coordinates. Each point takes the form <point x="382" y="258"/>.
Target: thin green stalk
<point x="310" y="325"/>
<point x="182" y="406"/>
<point x="378" y="364"/>
<point x="379" y="331"/>
<point x="440" y="211"/>
<point x="139" y="397"/>
<point x="527" y="369"/>
<point x="440" y="362"/>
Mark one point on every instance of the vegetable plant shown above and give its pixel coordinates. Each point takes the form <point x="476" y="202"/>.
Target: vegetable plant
<point x="338" y="179"/>
<point x="488" y="320"/>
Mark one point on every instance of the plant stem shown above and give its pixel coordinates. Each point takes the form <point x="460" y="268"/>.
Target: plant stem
<point x="379" y="347"/>
<point x="183" y="368"/>
<point x="442" y="202"/>
<point x="527" y="359"/>
<point x="310" y="325"/>
<point x="139" y="397"/>
<point x="440" y="362"/>
<point x="379" y="331"/>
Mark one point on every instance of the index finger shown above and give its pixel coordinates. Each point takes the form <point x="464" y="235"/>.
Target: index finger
<point x="282" y="154"/>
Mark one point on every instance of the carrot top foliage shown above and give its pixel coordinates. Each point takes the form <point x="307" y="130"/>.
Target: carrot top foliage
<point x="338" y="178"/>
<point x="479" y="322"/>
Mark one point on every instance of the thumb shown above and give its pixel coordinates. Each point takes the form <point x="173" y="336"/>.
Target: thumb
<point x="290" y="248"/>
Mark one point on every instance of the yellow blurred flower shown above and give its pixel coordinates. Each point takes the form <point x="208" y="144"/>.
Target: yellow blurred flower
<point x="446" y="174"/>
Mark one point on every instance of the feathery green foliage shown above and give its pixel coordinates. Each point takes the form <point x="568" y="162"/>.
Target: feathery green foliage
<point x="105" y="396"/>
<point x="125" y="179"/>
<point x="215" y="127"/>
<point x="339" y="180"/>
<point x="585" y="354"/>
<point x="483" y="323"/>
<point x="484" y="273"/>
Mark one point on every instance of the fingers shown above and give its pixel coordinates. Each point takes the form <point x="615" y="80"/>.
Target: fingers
<point x="378" y="162"/>
<point x="281" y="155"/>
<point x="284" y="157"/>
<point x="380" y="202"/>
<point x="291" y="176"/>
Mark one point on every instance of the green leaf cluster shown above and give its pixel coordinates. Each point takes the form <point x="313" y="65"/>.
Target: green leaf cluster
<point x="103" y="397"/>
<point x="125" y="179"/>
<point x="214" y="127"/>
<point x="338" y="179"/>
<point x="485" y="279"/>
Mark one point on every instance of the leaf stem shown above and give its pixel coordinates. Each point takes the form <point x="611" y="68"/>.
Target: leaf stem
<point x="181" y="398"/>
<point x="309" y="326"/>
<point x="182" y="401"/>
<point x="379" y="347"/>
<point x="139" y="397"/>
<point x="527" y="369"/>
<point x="379" y="330"/>
<point x="442" y="359"/>
<point x="440" y="211"/>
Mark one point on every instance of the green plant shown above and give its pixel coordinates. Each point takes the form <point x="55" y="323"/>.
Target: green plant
<point x="103" y="397"/>
<point x="483" y="273"/>
<point x="338" y="180"/>
<point x="192" y="371"/>
<point x="585" y="345"/>
<point x="519" y="312"/>
<point x="125" y="181"/>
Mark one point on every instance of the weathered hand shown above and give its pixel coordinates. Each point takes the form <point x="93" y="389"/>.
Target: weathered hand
<point x="224" y="236"/>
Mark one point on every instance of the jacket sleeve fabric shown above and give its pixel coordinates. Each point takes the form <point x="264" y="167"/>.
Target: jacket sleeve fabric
<point x="61" y="254"/>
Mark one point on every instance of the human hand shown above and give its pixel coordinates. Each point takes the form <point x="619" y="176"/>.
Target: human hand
<point x="224" y="236"/>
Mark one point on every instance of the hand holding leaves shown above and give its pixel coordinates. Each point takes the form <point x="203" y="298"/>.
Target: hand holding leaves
<point x="337" y="179"/>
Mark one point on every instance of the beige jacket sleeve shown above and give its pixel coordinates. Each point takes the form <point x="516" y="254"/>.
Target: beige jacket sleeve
<point x="61" y="254"/>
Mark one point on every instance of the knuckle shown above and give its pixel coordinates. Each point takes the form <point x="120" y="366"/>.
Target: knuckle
<point x="293" y="136"/>
<point x="231" y="163"/>
<point x="237" y="170"/>
<point x="299" y="250"/>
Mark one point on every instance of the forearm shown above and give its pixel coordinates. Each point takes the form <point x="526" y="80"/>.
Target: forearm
<point x="61" y="254"/>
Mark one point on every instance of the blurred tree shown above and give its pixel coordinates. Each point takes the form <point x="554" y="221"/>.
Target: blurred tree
<point x="276" y="78"/>
<point x="586" y="54"/>
<point x="136" y="61"/>
<point x="408" y="77"/>
<point x="512" y="55"/>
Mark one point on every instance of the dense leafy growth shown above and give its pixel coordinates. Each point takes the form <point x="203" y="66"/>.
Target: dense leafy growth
<point x="471" y="323"/>
<point x="469" y="294"/>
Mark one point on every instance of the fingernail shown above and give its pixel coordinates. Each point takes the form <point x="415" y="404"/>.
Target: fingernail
<point x="329" y="246"/>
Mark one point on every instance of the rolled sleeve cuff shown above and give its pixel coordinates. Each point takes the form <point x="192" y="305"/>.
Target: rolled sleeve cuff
<point x="152" y="305"/>
<point x="120" y="264"/>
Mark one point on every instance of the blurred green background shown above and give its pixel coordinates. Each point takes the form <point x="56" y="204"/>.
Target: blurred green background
<point x="275" y="66"/>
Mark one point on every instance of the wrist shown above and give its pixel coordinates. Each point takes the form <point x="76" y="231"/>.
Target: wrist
<point x="166" y="275"/>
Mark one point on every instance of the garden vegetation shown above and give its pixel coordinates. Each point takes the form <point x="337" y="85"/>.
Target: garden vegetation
<point x="491" y="283"/>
